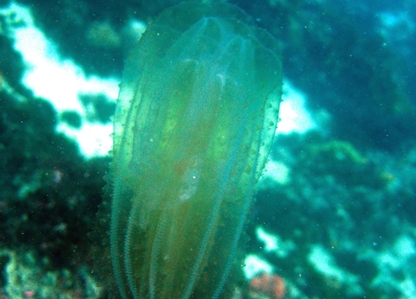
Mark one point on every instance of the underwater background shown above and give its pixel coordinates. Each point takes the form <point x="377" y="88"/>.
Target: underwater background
<point x="334" y="215"/>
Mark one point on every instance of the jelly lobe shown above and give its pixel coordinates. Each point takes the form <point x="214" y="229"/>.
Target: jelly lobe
<point x="194" y="124"/>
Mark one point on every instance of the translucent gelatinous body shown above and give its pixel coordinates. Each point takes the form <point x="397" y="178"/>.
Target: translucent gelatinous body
<point x="195" y="120"/>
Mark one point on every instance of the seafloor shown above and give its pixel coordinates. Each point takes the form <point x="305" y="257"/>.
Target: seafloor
<point x="335" y="213"/>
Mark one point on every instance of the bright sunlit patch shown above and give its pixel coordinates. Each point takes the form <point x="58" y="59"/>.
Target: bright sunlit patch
<point x="274" y="172"/>
<point x="254" y="265"/>
<point x="397" y="28"/>
<point x="94" y="139"/>
<point x="325" y="263"/>
<point x="293" y="115"/>
<point x="389" y="19"/>
<point x="270" y="241"/>
<point x="60" y="81"/>
<point x="273" y="243"/>
<point x="395" y="259"/>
